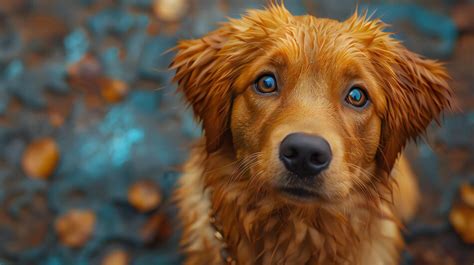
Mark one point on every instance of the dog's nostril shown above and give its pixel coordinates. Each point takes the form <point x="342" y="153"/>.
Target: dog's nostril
<point x="318" y="159"/>
<point x="289" y="152"/>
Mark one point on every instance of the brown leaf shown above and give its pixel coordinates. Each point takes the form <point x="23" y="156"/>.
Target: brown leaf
<point x="462" y="219"/>
<point x="116" y="257"/>
<point x="144" y="196"/>
<point x="467" y="194"/>
<point x="40" y="158"/>
<point x="75" y="227"/>
<point x="170" y="10"/>
<point x="113" y="90"/>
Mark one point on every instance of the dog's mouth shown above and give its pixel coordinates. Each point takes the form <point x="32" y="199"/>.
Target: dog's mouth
<point x="299" y="193"/>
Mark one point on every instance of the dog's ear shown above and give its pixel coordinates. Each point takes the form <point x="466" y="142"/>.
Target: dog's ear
<point x="417" y="93"/>
<point x="198" y="74"/>
<point x="416" y="89"/>
<point x="207" y="68"/>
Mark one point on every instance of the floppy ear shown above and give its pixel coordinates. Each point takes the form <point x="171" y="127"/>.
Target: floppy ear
<point x="207" y="68"/>
<point x="417" y="91"/>
<point x="198" y="71"/>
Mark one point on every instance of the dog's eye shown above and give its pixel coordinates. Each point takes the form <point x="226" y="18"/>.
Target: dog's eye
<point x="266" y="84"/>
<point x="357" y="97"/>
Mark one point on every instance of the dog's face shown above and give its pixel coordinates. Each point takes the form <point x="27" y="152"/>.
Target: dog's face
<point x="309" y="113"/>
<point x="314" y="109"/>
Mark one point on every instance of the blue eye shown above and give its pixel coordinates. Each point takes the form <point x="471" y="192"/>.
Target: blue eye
<point x="357" y="97"/>
<point x="266" y="84"/>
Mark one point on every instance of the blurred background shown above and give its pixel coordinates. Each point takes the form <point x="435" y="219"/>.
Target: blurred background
<point x="92" y="133"/>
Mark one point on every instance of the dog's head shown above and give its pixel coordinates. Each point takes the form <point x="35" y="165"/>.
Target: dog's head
<point x="314" y="108"/>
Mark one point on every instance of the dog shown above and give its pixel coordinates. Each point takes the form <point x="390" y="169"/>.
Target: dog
<point x="304" y="121"/>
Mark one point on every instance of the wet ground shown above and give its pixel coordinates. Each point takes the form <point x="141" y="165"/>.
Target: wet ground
<point x="92" y="133"/>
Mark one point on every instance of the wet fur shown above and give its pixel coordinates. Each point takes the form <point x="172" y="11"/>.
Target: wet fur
<point x="231" y="169"/>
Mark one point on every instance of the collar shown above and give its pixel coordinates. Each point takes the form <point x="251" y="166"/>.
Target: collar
<point x="224" y="247"/>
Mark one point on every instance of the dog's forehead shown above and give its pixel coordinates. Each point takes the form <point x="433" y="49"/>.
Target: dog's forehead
<point x="311" y="43"/>
<point x="318" y="27"/>
<point x="307" y="39"/>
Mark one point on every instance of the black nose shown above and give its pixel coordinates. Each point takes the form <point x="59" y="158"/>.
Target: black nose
<point x="304" y="154"/>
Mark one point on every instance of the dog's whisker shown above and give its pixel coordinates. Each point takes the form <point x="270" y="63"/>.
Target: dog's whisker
<point x="363" y="186"/>
<point x="243" y="166"/>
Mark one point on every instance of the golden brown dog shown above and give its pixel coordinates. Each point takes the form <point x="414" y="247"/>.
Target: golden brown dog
<point x="304" y="121"/>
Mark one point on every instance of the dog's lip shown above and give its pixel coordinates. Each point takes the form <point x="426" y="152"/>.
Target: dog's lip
<point x="298" y="192"/>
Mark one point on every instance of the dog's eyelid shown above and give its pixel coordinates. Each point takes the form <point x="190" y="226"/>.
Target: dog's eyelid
<point x="358" y="84"/>
<point x="263" y="73"/>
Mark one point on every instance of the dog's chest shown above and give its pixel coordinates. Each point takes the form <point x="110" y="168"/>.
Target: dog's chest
<point x="290" y="241"/>
<point x="281" y="239"/>
<point x="254" y="233"/>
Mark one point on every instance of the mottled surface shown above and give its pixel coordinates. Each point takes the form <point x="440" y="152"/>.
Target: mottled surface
<point x="92" y="75"/>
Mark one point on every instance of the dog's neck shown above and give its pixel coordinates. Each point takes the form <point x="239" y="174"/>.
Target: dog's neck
<point x="257" y="224"/>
